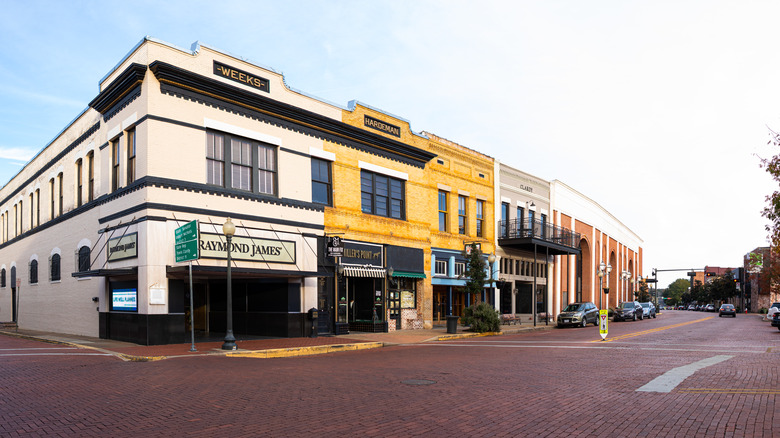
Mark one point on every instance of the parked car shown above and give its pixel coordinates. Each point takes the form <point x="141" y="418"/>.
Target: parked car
<point x="774" y="308"/>
<point x="710" y="308"/>
<point x="691" y="307"/>
<point x="776" y="320"/>
<point x="628" y="310"/>
<point x="648" y="310"/>
<point x="727" y="309"/>
<point x="580" y="314"/>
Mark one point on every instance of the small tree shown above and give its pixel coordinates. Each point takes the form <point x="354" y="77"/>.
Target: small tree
<point x="643" y="294"/>
<point x="482" y="317"/>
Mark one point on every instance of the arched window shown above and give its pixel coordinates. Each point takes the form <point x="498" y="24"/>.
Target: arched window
<point x="84" y="255"/>
<point x="54" y="270"/>
<point x="2" y="277"/>
<point x="33" y="271"/>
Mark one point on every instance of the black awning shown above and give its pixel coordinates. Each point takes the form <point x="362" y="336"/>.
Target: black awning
<point x="115" y="272"/>
<point x="540" y="245"/>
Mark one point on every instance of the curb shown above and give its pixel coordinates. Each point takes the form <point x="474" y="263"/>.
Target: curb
<point x="305" y="351"/>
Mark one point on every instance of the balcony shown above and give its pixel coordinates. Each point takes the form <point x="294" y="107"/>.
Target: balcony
<point x="533" y="235"/>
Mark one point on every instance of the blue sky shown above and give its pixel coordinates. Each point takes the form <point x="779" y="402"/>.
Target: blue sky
<point x="656" y="110"/>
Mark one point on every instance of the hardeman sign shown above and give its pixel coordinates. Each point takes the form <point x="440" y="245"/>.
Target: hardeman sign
<point x="214" y="246"/>
<point x="241" y="76"/>
<point x="381" y="126"/>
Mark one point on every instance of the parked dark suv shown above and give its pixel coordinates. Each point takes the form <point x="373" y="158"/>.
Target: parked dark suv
<point x="628" y="310"/>
<point x="579" y="314"/>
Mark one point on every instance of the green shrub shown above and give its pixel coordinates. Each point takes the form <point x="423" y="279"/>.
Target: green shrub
<point x="482" y="318"/>
<point x="763" y="310"/>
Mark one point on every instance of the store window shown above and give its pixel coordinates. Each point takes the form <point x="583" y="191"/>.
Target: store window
<point x="382" y="195"/>
<point x="54" y="267"/>
<point x="442" y="210"/>
<point x="33" y="271"/>
<point x="321" y="182"/>
<point x="462" y="203"/>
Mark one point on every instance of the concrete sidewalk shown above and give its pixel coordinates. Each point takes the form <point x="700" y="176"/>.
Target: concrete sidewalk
<point x="263" y="348"/>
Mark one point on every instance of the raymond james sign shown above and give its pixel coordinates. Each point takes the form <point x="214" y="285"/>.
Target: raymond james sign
<point x="124" y="247"/>
<point x="214" y="246"/>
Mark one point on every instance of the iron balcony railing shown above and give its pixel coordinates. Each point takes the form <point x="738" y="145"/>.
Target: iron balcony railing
<point x="524" y="228"/>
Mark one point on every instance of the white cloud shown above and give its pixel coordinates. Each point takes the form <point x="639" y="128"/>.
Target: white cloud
<point x="19" y="155"/>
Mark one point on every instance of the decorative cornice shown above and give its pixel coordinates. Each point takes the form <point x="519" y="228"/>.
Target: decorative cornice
<point x="123" y="103"/>
<point x="119" y="88"/>
<point x="210" y="91"/>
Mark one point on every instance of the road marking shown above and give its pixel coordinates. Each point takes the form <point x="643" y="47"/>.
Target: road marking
<point x="669" y="380"/>
<point x="728" y="391"/>
<point x="602" y="346"/>
<point x="55" y="354"/>
<point x="659" y="329"/>
<point x="38" y="348"/>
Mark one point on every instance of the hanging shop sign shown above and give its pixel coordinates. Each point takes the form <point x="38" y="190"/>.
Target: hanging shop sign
<point x="214" y="246"/>
<point x="381" y="126"/>
<point x="335" y="246"/>
<point x="241" y="76"/>
<point x="124" y="247"/>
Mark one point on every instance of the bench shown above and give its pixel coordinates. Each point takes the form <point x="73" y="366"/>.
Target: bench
<point x="509" y="319"/>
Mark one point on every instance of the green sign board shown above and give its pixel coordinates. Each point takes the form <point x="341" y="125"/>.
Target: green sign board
<point x="186" y="245"/>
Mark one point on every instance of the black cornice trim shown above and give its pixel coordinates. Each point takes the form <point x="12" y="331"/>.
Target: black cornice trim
<point x="286" y="114"/>
<point x="121" y="86"/>
<point x="124" y="102"/>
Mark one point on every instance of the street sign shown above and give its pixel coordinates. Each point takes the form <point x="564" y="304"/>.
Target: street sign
<point x="186" y="242"/>
<point x="603" y="318"/>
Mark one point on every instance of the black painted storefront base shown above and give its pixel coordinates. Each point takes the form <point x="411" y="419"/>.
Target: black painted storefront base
<point x="368" y="327"/>
<point x="143" y="329"/>
<point x="275" y="324"/>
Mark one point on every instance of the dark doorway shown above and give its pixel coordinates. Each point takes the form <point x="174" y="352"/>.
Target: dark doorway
<point x="525" y="298"/>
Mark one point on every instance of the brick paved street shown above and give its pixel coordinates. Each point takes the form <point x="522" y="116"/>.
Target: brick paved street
<point x="562" y="382"/>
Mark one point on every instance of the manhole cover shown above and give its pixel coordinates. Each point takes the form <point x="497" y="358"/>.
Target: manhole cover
<point x="418" y="382"/>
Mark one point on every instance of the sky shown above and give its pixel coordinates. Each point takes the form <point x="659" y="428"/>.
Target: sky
<point x="657" y="110"/>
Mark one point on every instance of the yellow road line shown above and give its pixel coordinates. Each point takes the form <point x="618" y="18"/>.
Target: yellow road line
<point x="729" y="391"/>
<point x="655" y="330"/>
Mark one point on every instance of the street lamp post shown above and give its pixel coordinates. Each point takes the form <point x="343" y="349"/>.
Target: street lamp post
<point x="604" y="270"/>
<point x="230" y="341"/>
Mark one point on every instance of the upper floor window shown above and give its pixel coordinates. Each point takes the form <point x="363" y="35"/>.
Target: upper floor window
<point x="37" y="207"/>
<point x="79" y="182"/>
<point x="51" y="198"/>
<point x="90" y="176"/>
<point x="83" y="259"/>
<point x="18" y="218"/>
<point x="442" y="210"/>
<point x="54" y="267"/>
<point x="32" y="210"/>
<point x="382" y="195"/>
<point x="520" y="217"/>
<point x="480" y="217"/>
<point x="2" y="277"/>
<point x="460" y="269"/>
<point x="321" y="182"/>
<point x="59" y="189"/>
<point x="116" y="154"/>
<point x="130" y="156"/>
<point x="33" y="271"/>
<point x="215" y="159"/>
<point x="252" y="164"/>
<point x="441" y="267"/>
<point x="462" y="203"/>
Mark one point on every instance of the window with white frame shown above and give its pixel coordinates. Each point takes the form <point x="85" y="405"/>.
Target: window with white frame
<point x="441" y="267"/>
<point x="460" y="268"/>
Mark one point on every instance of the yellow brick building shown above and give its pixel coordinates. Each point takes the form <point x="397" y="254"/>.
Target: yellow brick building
<point x="409" y="243"/>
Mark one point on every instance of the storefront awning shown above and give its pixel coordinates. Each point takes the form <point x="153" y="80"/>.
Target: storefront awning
<point x="408" y="274"/>
<point x="364" y="271"/>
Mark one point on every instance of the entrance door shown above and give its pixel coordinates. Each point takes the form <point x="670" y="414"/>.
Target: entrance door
<point x="394" y="306"/>
<point x="325" y="306"/>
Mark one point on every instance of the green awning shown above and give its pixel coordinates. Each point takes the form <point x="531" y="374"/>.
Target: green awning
<point x="408" y="274"/>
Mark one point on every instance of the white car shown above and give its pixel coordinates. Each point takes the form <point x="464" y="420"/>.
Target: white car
<point x="772" y="310"/>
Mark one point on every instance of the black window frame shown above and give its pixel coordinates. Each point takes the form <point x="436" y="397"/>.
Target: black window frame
<point x="79" y="182"/>
<point x="33" y="271"/>
<point x="83" y="256"/>
<point x="442" y="203"/>
<point x="116" y="154"/>
<point x="55" y="263"/>
<point x="371" y="195"/>
<point x="2" y="278"/>
<point x="256" y="170"/>
<point x="131" y="142"/>
<point x="320" y="182"/>
<point x="480" y="214"/>
<point x="90" y="176"/>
